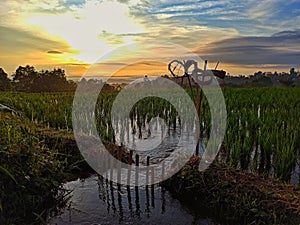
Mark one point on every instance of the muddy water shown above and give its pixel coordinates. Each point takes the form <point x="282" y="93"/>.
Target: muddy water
<point x="97" y="201"/>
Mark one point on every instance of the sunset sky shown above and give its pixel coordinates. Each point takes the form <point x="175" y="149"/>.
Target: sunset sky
<point x="245" y="36"/>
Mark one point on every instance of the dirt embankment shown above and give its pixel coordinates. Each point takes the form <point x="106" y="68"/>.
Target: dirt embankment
<point x="64" y="143"/>
<point x="236" y="197"/>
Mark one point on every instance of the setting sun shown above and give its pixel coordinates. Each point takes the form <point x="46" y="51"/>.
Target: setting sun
<point x="91" y="30"/>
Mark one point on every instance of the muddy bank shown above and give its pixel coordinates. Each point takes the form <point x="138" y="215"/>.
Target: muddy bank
<point x="236" y="197"/>
<point x="64" y="143"/>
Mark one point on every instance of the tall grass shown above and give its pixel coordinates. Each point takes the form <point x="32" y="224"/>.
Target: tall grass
<point x="30" y="173"/>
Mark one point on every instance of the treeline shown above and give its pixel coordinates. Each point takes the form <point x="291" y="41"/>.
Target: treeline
<point x="28" y="79"/>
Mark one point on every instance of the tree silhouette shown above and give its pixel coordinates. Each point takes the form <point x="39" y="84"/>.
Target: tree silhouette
<point x="4" y="81"/>
<point x="29" y="80"/>
<point x="292" y="71"/>
<point x="24" y="78"/>
<point x="54" y="80"/>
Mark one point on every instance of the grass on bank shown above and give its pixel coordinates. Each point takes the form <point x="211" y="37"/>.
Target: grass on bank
<point x="30" y="172"/>
<point x="236" y="197"/>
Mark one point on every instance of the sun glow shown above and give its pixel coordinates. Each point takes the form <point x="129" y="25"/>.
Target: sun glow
<point x="83" y="28"/>
<point x="59" y="33"/>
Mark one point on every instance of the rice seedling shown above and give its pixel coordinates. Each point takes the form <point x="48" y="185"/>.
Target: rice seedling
<point x="262" y="125"/>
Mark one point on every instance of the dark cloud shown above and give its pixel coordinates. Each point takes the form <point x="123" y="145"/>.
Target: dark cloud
<point x="247" y="17"/>
<point x="54" y="52"/>
<point x="112" y="38"/>
<point x="111" y="63"/>
<point x="23" y="41"/>
<point x="134" y="34"/>
<point x="74" y="2"/>
<point x="280" y="48"/>
<point x="123" y="1"/>
<point x="76" y="64"/>
<point x="287" y="33"/>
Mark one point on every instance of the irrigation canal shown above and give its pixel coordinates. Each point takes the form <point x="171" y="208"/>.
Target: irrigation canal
<point x="97" y="201"/>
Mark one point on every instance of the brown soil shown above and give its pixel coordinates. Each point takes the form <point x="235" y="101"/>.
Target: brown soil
<point x="65" y="144"/>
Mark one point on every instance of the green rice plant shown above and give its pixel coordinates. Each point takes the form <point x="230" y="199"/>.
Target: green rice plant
<point x="235" y="153"/>
<point x="245" y="154"/>
<point x="285" y="157"/>
<point x="255" y="115"/>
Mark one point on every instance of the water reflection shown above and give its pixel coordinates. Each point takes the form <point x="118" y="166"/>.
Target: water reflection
<point x="98" y="201"/>
<point x="107" y="192"/>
